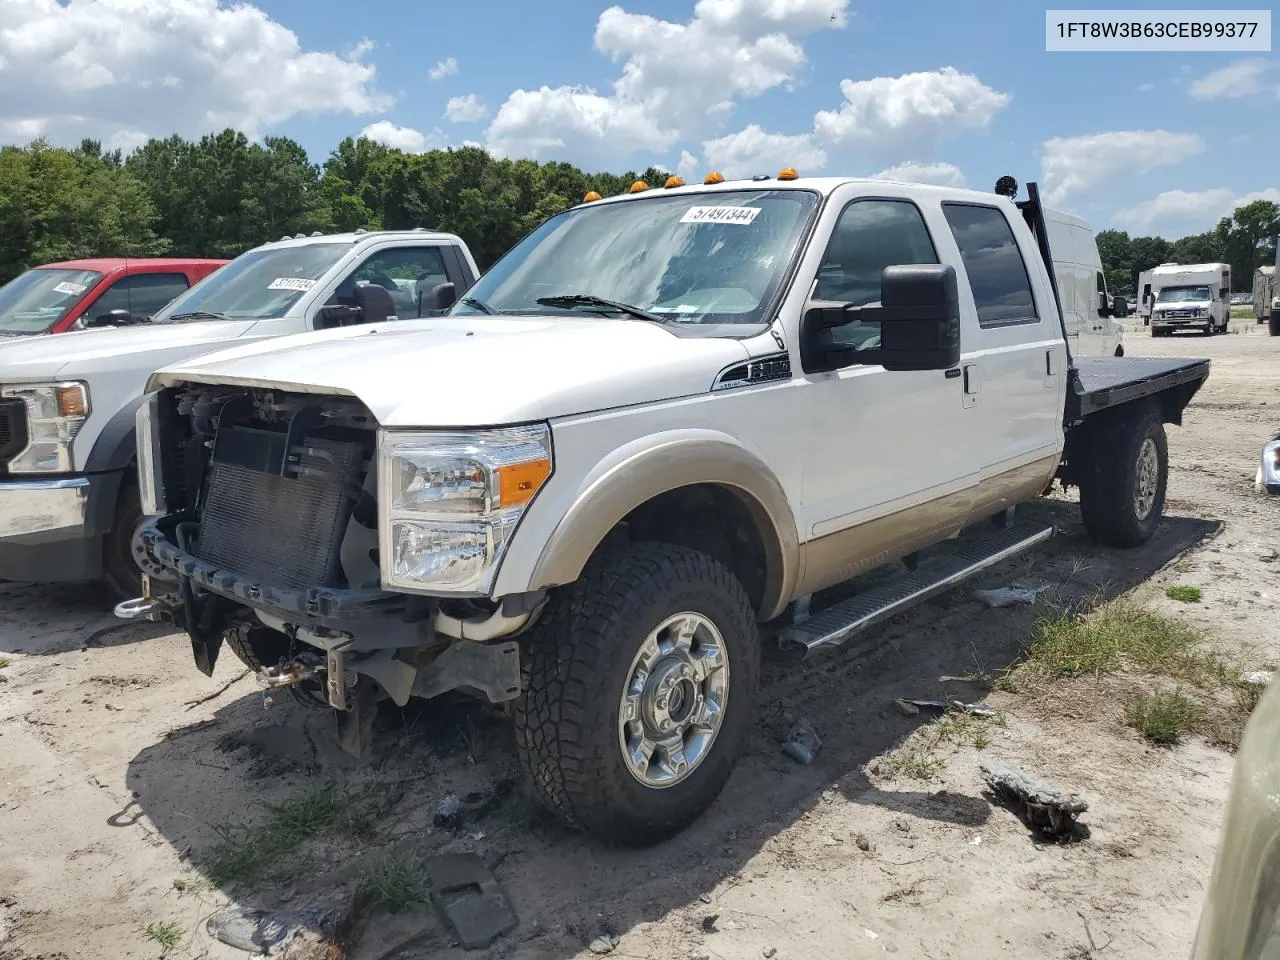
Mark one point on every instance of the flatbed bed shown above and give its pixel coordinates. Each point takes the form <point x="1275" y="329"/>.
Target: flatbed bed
<point x="1101" y="383"/>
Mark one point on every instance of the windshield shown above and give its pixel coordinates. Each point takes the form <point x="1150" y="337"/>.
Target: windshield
<point x="34" y="301"/>
<point x="701" y="262"/>
<point x="1182" y="294"/>
<point x="258" y="285"/>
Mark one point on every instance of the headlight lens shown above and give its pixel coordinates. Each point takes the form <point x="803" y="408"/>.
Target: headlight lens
<point x="55" y="414"/>
<point x="448" y="503"/>
<point x="1271" y="464"/>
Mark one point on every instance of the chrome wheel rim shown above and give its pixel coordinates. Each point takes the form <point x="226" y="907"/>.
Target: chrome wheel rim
<point x="1144" y="494"/>
<point x="673" y="701"/>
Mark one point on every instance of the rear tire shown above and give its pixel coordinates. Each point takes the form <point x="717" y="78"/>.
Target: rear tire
<point x="1123" y="488"/>
<point x="594" y="712"/>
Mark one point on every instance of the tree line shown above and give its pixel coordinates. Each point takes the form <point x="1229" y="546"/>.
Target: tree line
<point x="223" y="194"/>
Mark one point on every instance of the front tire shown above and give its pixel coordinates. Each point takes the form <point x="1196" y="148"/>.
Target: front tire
<point x="1123" y="489"/>
<point x="640" y="680"/>
<point x="120" y="571"/>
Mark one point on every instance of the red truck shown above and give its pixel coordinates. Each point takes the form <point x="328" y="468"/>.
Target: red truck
<point x="105" y="291"/>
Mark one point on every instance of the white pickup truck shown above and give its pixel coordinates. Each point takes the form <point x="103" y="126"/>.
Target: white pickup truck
<point x="68" y="488"/>
<point x="662" y="420"/>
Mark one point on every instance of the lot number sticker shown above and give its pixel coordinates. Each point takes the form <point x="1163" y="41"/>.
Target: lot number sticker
<point x="69" y="288"/>
<point x="291" y="283"/>
<point x="738" y="215"/>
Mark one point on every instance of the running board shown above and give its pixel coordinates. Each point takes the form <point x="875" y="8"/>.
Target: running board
<point x="838" y="623"/>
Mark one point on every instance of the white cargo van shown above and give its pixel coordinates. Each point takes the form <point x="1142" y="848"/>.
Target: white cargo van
<point x="1191" y="296"/>
<point x="1092" y="327"/>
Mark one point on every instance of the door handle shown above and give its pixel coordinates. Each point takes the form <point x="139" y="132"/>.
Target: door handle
<point x="970" y="379"/>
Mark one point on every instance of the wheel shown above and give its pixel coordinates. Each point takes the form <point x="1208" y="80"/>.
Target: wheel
<point x="120" y="571"/>
<point x="1123" y="487"/>
<point x="638" y="689"/>
<point x="258" y="647"/>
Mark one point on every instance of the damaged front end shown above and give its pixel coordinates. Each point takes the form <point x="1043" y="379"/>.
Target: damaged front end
<point x="262" y="532"/>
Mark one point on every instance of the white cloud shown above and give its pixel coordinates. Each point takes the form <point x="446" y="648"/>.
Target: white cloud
<point x="93" y="69"/>
<point x="752" y="150"/>
<point x="941" y="174"/>
<point x="1178" y="213"/>
<point x="1241" y="79"/>
<point x="404" y="138"/>
<point x="1146" y="87"/>
<point x="466" y="109"/>
<point x="688" y="165"/>
<point x="677" y="80"/>
<point x="1075" y="165"/>
<point x="890" y="118"/>
<point x="445" y="68"/>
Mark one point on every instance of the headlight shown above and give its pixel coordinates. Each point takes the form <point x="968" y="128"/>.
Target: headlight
<point x="55" y="414"/>
<point x="448" y="502"/>
<point x="1271" y="467"/>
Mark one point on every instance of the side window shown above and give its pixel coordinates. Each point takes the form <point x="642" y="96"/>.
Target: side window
<point x="407" y="273"/>
<point x="141" y="294"/>
<point x="870" y="235"/>
<point x="997" y="273"/>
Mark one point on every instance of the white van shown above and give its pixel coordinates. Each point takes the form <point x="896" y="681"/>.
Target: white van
<point x="1191" y="296"/>
<point x="1092" y="330"/>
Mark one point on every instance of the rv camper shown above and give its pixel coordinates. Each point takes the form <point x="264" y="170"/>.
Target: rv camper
<point x="1264" y="290"/>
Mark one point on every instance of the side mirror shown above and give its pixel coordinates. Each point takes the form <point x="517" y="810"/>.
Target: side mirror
<point x="919" y="317"/>
<point x="442" y="296"/>
<point x="336" y="315"/>
<point x="112" y="318"/>
<point x="375" y="303"/>
<point x="1120" y="307"/>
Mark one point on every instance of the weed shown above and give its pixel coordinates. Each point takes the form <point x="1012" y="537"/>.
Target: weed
<point x="395" y="885"/>
<point x="1114" y="636"/>
<point x="969" y="729"/>
<point x="4" y="662"/>
<point x="248" y="851"/>
<point x="1185" y="594"/>
<point x="164" y="932"/>
<point x="192" y="885"/>
<point x="914" y="762"/>
<point x="1165" y="718"/>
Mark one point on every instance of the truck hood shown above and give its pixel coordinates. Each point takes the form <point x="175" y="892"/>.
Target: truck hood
<point x="118" y="350"/>
<point x="1182" y="305"/>
<point x="473" y="371"/>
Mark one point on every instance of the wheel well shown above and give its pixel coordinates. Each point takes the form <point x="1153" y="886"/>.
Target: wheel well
<point x="714" y="519"/>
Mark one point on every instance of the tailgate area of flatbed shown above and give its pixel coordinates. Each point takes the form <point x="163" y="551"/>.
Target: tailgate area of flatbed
<point x="1100" y="383"/>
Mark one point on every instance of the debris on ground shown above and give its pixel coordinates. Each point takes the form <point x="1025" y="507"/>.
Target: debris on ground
<point x="1009" y="596"/>
<point x="913" y="707"/>
<point x="863" y="844"/>
<point x="469" y="900"/>
<point x="1257" y="678"/>
<point x="1046" y="809"/>
<point x="802" y="742"/>
<point x="268" y="932"/>
<point x="603" y="944"/>
<point x="709" y="923"/>
<point x="446" y="817"/>
<point x="770" y="952"/>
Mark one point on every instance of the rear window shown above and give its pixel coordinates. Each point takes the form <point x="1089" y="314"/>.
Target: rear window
<point x="994" y="264"/>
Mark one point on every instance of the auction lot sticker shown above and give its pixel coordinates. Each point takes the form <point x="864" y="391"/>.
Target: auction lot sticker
<point x="291" y="283"/>
<point x="738" y="215"/>
<point x="1137" y="31"/>
<point x="69" y="288"/>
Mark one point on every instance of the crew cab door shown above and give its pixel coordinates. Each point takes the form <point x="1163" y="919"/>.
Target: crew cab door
<point x="1015" y="345"/>
<point x="885" y="455"/>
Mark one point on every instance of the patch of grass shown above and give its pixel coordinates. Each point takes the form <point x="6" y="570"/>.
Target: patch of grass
<point x="186" y="885"/>
<point x="967" y="729"/>
<point x="164" y="932"/>
<point x="4" y="662"/>
<point x="248" y="851"/>
<point x="1118" y="635"/>
<point x="395" y="885"/>
<point x="1185" y="594"/>
<point x="1165" y="718"/>
<point x="910" y="761"/>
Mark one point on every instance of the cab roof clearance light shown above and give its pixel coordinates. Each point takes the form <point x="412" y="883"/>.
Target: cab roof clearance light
<point x="638" y="187"/>
<point x="674" y="182"/>
<point x="591" y="197"/>
<point x="714" y="177"/>
<point x="788" y="173"/>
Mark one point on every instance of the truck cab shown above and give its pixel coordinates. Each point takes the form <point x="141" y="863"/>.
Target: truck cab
<point x="77" y="294"/>
<point x="68" y="482"/>
<point x="648" y="437"/>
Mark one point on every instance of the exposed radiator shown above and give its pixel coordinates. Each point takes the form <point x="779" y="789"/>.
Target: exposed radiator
<point x="284" y="530"/>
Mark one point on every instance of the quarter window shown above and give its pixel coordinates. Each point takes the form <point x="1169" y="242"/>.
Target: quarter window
<point x="997" y="273"/>
<point x="870" y="235"/>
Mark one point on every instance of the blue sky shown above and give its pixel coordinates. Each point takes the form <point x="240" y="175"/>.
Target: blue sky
<point x="956" y="90"/>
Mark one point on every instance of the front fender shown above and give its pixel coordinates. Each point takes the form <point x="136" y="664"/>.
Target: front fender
<point x="631" y="475"/>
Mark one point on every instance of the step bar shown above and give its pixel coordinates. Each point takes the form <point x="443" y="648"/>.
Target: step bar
<point x="837" y="623"/>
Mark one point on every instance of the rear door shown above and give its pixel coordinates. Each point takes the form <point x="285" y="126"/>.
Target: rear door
<point x="1016" y="349"/>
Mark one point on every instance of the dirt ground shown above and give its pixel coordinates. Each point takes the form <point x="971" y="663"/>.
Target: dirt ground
<point x="120" y="793"/>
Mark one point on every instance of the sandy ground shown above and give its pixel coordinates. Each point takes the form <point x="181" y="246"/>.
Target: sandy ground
<point x="116" y="791"/>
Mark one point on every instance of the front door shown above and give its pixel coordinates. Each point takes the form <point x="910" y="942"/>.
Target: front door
<point x="886" y="455"/>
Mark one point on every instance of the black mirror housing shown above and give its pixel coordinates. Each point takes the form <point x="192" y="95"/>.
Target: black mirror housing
<point x="112" y="318"/>
<point x="440" y="297"/>
<point x="336" y="315"/>
<point x="919" y="317"/>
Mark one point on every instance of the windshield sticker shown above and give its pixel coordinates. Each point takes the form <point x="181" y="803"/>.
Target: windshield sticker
<point x="69" y="288"/>
<point x="291" y="283"/>
<point x="738" y="215"/>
